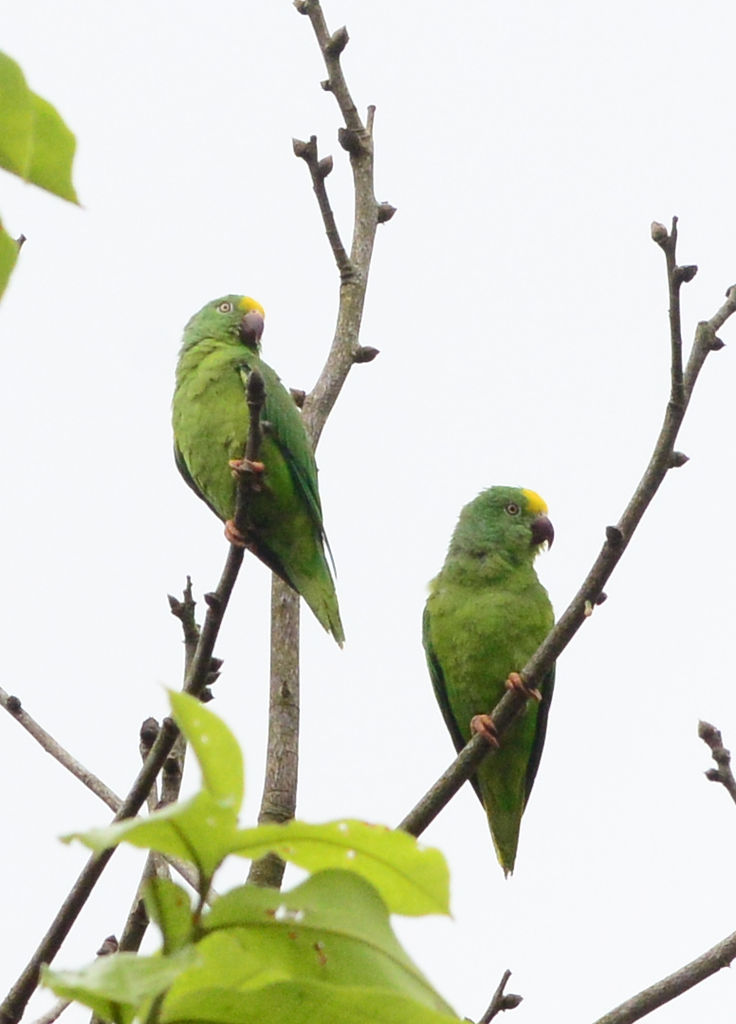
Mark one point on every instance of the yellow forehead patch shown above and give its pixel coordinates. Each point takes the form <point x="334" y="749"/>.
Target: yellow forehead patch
<point x="249" y="305"/>
<point x="537" y="505"/>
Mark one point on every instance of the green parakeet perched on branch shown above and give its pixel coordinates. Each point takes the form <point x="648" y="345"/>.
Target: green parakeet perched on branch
<point x="221" y="346"/>
<point x="485" y="616"/>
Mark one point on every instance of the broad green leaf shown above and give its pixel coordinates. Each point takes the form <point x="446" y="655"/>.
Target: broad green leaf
<point x="301" y="1003"/>
<point x="8" y="257"/>
<point x="411" y="879"/>
<point x="333" y="928"/>
<point x="35" y="143"/>
<point x="116" y="986"/>
<point x="16" y="118"/>
<point x="222" y="965"/>
<point x="215" y="747"/>
<point x="199" y="830"/>
<point x="169" y="906"/>
<point x="52" y="152"/>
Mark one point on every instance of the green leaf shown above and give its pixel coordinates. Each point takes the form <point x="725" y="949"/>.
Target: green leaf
<point x="216" y="749"/>
<point x="169" y="906"/>
<point x="199" y="830"/>
<point x="411" y="879"/>
<point x="35" y="143"/>
<point x="8" y="257"/>
<point x="115" y="986"/>
<point x="332" y="928"/>
<point x="301" y="1003"/>
<point x="52" y="152"/>
<point x="16" y="118"/>
<point x="222" y="965"/>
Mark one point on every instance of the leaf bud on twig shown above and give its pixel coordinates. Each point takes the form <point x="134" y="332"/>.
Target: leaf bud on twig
<point x="324" y="167"/>
<point x="685" y="274"/>
<point x="350" y="140"/>
<point x="337" y="42"/>
<point x="614" y="536"/>
<point x="365" y="354"/>
<point x="305" y="150"/>
<point x="659" y="232"/>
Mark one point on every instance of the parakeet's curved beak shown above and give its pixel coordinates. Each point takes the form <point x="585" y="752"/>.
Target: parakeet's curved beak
<point x="251" y="329"/>
<point x="542" y="530"/>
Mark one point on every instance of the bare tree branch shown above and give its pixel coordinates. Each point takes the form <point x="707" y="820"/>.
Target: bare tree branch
<point x="319" y="169"/>
<point x="722" y="757"/>
<point x="279" y="796"/>
<point x="282" y="758"/>
<point x="13" y="706"/>
<point x="673" y="985"/>
<point x="662" y="460"/>
<point x="137" y="920"/>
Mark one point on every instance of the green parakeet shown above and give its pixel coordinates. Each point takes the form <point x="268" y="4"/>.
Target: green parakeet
<point x="221" y="346"/>
<point x="485" y="616"/>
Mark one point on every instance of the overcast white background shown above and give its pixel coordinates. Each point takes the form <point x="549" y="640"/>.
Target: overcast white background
<point x="521" y="313"/>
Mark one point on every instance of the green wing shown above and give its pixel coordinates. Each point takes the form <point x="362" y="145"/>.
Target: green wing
<point x="189" y="479"/>
<point x="546" y="689"/>
<point x="286" y="428"/>
<point x="440" y="691"/>
<point x="293" y="545"/>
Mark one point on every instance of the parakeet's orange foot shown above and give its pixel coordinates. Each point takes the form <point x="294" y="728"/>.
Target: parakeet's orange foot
<point x="515" y="682"/>
<point x="245" y="466"/>
<point x="234" y="535"/>
<point x="485" y="727"/>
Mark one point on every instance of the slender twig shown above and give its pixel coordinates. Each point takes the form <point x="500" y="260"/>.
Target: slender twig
<point x="196" y="677"/>
<point x="668" y="243"/>
<point x="722" y="757"/>
<point x="319" y="169"/>
<point x="54" y="1012"/>
<point x="279" y="794"/>
<point x="13" y="706"/>
<point x="184" y="611"/>
<point x="331" y="47"/>
<point x="356" y="138"/>
<point x="590" y="593"/>
<point x="500" y="1000"/>
<point x="137" y="920"/>
<point x="720" y="955"/>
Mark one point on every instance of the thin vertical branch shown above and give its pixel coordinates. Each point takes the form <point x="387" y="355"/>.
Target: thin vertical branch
<point x="279" y="795"/>
<point x="282" y="761"/>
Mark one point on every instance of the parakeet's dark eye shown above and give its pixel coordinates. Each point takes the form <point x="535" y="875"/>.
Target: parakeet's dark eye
<point x="513" y="509"/>
<point x="225" y="307"/>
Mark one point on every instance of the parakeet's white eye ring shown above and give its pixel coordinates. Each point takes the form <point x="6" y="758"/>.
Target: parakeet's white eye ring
<point x="513" y="509"/>
<point x="225" y="307"/>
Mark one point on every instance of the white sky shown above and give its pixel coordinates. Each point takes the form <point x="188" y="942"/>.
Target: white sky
<point x="521" y="312"/>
